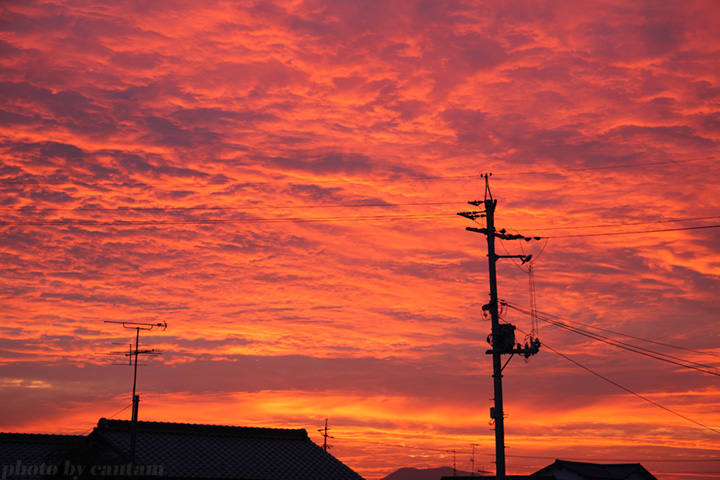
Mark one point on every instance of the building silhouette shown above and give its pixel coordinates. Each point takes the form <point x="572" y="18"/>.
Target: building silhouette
<point x="171" y="451"/>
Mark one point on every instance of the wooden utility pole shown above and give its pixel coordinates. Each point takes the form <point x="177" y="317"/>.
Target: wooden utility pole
<point x="498" y="413"/>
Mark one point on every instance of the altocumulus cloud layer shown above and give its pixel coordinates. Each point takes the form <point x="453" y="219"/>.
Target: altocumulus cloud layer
<point x="279" y="182"/>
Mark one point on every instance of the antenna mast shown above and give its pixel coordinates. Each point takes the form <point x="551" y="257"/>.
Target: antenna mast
<point x="454" y="462"/>
<point x="324" y="432"/>
<point x="134" y="353"/>
<point x="472" y="459"/>
<point x="502" y="338"/>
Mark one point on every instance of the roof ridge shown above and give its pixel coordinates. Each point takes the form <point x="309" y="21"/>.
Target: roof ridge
<point x="595" y="463"/>
<point x="41" y="435"/>
<point x="203" y="429"/>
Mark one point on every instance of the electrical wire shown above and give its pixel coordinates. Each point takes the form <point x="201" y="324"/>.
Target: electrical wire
<point x="169" y="209"/>
<point x="605" y="225"/>
<point x="410" y="447"/>
<point x="77" y="222"/>
<point x="534" y="332"/>
<point x="608" y="234"/>
<point x="616" y="460"/>
<point x="25" y="210"/>
<point x="643" y="351"/>
<point x="25" y="182"/>
<point x="545" y="314"/>
<point x="466" y="451"/>
<point x="545" y="345"/>
<point x="109" y="418"/>
<point x="121" y="223"/>
<point x="119" y="411"/>
<point x="609" y="167"/>
<point x="625" y="346"/>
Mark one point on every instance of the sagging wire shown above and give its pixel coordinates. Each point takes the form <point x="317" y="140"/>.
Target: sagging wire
<point x="681" y="362"/>
<point x="535" y="329"/>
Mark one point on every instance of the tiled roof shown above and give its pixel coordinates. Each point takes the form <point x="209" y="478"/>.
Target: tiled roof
<point x="31" y="450"/>
<point x="493" y="477"/>
<point x="219" y="452"/>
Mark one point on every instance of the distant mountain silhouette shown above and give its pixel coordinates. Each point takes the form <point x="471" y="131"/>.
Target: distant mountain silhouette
<point x="424" y="474"/>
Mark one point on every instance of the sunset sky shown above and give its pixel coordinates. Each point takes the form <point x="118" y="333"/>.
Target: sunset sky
<point x="279" y="182"/>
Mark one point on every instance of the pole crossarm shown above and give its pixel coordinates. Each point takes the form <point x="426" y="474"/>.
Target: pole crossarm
<point x="524" y="258"/>
<point x="502" y="234"/>
<point x="472" y="215"/>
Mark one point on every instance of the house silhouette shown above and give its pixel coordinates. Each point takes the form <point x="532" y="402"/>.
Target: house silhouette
<point x="176" y="451"/>
<point x="566" y="470"/>
<point x="27" y="456"/>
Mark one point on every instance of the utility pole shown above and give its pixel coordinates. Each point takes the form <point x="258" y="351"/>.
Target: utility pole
<point x="502" y="338"/>
<point x="324" y="432"/>
<point x="133" y="359"/>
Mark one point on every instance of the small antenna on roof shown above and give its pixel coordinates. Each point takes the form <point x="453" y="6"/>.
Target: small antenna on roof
<point x="454" y="463"/>
<point x="324" y="432"/>
<point x="472" y="459"/>
<point x="133" y="354"/>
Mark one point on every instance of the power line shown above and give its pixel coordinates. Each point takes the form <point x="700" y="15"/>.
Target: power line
<point x="26" y="210"/>
<point x="632" y="348"/>
<point x="605" y="225"/>
<point x="120" y="411"/>
<point x="639" y="350"/>
<point x="25" y="182"/>
<point x="607" y="234"/>
<point x="609" y="167"/>
<point x="110" y="417"/>
<point x="545" y="345"/>
<point x="525" y="311"/>
<point x="468" y="451"/>
<point x="300" y="181"/>
<point x="619" y="460"/>
<point x="121" y="223"/>
<point x="169" y="209"/>
<point x="78" y="222"/>
<point x="410" y="447"/>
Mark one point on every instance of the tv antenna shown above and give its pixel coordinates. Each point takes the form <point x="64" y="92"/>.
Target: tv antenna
<point x="454" y="463"/>
<point x="324" y="432"/>
<point x="472" y="459"/>
<point x="132" y="355"/>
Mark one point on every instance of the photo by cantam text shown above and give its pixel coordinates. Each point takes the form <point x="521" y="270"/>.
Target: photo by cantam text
<point x="74" y="471"/>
